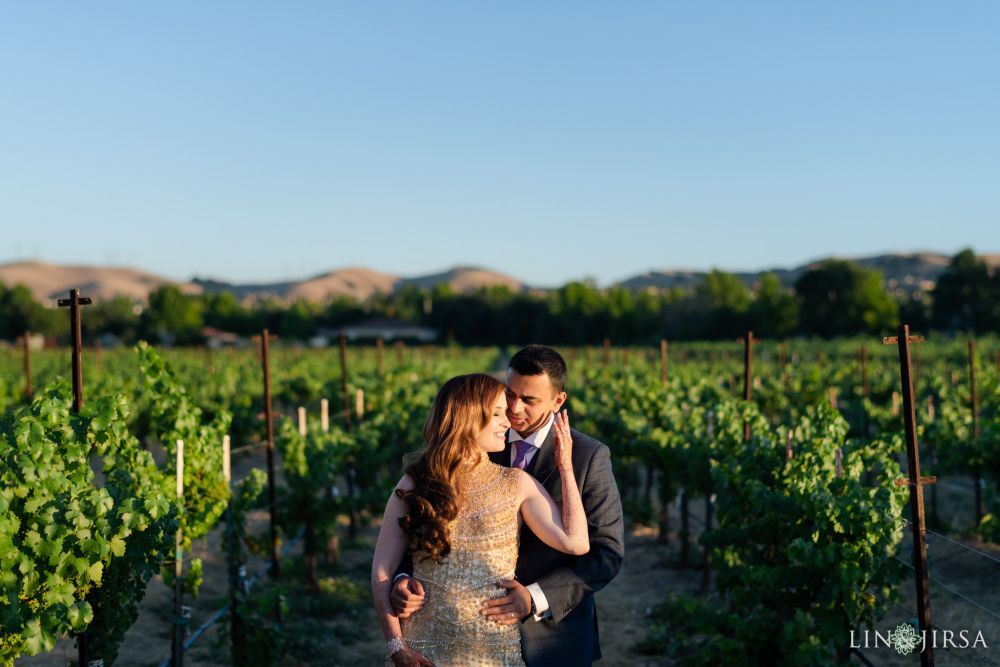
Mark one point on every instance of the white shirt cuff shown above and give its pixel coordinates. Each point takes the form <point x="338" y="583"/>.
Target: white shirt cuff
<point x="541" y="604"/>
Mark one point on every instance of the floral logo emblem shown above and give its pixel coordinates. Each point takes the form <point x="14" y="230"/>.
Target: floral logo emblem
<point x="905" y="639"/>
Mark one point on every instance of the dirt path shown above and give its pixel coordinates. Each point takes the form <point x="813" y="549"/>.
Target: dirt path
<point x="626" y="605"/>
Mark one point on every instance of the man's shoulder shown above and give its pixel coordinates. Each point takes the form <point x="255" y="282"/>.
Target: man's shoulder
<point x="587" y="445"/>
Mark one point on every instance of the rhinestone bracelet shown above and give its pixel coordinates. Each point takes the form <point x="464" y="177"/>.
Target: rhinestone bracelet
<point x="394" y="645"/>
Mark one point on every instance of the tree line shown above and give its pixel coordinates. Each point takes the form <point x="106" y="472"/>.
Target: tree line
<point x="836" y="298"/>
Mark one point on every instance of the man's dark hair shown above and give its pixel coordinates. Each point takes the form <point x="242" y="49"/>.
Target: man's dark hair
<point x="538" y="359"/>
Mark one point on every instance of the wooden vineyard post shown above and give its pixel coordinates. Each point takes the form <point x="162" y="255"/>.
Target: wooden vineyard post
<point x="227" y="471"/>
<point x="177" y="631"/>
<point x="865" y="387"/>
<point x="309" y="553"/>
<point x="398" y="345"/>
<point x="865" y="390"/>
<point x="916" y="484"/>
<point x="272" y="497"/>
<point x="76" y="334"/>
<point x="236" y="570"/>
<point x="343" y="380"/>
<point x="349" y="471"/>
<point x="664" y="523"/>
<point x="73" y="303"/>
<point x="663" y="362"/>
<point x="607" y="351"/>
<point x="333" y="541"/>
<point x="974" y="407"/>
<point x="748" y="342"/>
<point x="706" y="569"/>
<point x="932" y="454"/>
<point x="379" y="354"/>
<point x="26" y="347"/>
<point x="359" y="404"/>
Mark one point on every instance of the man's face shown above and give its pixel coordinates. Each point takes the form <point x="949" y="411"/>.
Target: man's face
<point x="531" y="400"/>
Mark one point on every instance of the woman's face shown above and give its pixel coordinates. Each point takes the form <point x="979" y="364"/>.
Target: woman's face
<point x="491" y="438"/>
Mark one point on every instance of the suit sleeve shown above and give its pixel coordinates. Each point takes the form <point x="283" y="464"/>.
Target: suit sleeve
<point x="565" y="587"/>
<point x="405" y="566"/>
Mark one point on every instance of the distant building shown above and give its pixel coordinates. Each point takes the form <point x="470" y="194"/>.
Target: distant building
<point x="385" y="328"/>
<point x="216" y="339"/>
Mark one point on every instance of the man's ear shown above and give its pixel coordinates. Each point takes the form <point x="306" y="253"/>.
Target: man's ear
<point x="560" y="400"/>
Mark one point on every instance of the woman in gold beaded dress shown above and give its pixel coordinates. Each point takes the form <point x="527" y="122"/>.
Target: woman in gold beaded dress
<point x="459" y="515"/>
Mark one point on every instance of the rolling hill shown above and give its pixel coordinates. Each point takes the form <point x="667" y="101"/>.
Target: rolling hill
<point x="51" y="281"/>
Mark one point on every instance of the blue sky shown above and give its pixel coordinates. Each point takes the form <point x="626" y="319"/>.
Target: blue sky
<point x="552" y="141"/>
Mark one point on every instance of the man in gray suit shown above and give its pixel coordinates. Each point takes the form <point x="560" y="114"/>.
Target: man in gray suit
<point x="553" y="596"/>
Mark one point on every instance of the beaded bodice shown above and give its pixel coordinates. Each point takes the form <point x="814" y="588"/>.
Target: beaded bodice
<point x="484" y="542"/>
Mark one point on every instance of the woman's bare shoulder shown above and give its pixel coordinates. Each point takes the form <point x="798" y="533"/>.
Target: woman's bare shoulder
<point x="405" y="483"/>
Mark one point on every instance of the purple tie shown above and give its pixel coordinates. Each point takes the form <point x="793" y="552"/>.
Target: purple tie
<point x="523" y="446"/>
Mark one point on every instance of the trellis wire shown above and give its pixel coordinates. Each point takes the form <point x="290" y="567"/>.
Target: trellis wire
<point x="189" y="642"/>
<point x="954" y="592"/>
<point x="964" y="546"/>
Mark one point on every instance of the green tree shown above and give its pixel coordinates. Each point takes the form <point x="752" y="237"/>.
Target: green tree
<point x="966" y="296"/>
<point x="171" y="312"/>
<point x="915" y="310"/>
<point x="580" y="313"/>
<point x="19" y="311"/>
<point x="117" y="316"/>
<point x="223" y="311"/>
<point x="841" y="298"/>
<point x="300" y="320"/>
<point x="683" y="316"/>
<point x="774" y="312"/>
<point x="342" y="310"/>
<point x="621" y="310"/>
<point x="726" y="300"/>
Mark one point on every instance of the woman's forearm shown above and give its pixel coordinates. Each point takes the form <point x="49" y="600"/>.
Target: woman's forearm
<point x="574" y="519"/>
<point x="387" y="618"/>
